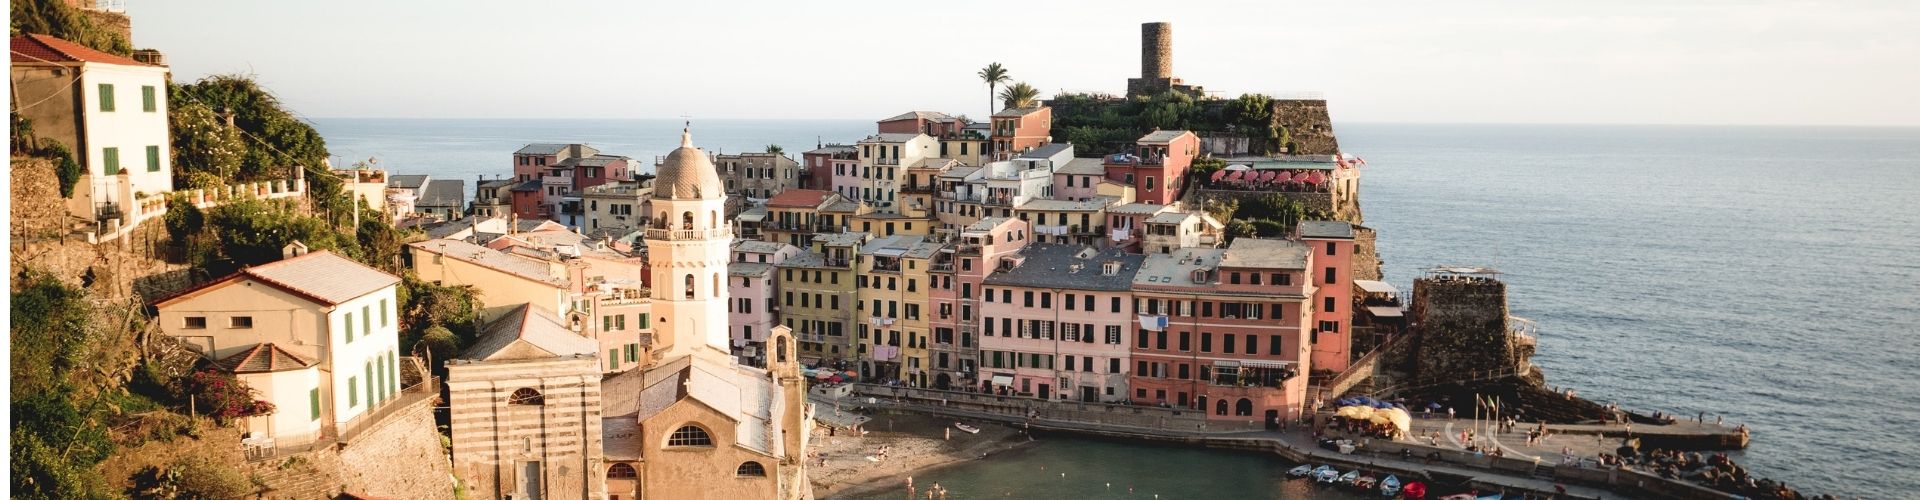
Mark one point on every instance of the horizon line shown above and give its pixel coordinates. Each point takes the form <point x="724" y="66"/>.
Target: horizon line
<point x="1360" y="122"/>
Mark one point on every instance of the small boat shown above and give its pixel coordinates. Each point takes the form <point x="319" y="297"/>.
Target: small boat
<point x="1390" y="486"/>
<point x="1350" y="477"/>
<point x="1325" y="475"/>
<point x="1495" y="496"/>
<point x="1459" y="496"/>
<point x="1415" y="490"/>
<point x="967" y="428"/>
<point x="1365" y="482"/>
<point x="1301" y="471"/>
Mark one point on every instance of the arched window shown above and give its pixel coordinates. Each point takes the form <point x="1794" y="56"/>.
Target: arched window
<point x="526" y="396"/>
<point x="781" y="348"/>
<point x="1244" y="408"/>
<point x="662" y="222"/>
<point x="1220" y="407"/>
<point x="750" y="469"/>
<point x="689" y="435"/>
<point x="686" y="220"/>
<point x="621" y="471"/>
<point x="689" y="286"/>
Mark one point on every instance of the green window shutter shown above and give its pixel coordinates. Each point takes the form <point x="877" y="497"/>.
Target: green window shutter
<point x="369" y="371"/>
<point x="613" y="359"/>
<point x="353" y="392"/>
<point x="147" y="101"/>
<point x="106" y="97"/>
<point x="153" y="158"/>
<point x="313" y="402"/>
<point x="111" y="158"/>
<point x="383" y="312"/>
<point x="366" y="320"/>
<point x="606" y="323"/>
<point x="349" y="326"/>
<point x="633" y="353"/>
<point x="620" y="321"/>
<point x="643" y="321"/>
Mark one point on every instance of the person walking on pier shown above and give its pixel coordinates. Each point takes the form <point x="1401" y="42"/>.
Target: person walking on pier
<point x="1449" y="413"/>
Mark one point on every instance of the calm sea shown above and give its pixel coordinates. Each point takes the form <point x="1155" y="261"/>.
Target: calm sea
<point x="1770" y="275"/>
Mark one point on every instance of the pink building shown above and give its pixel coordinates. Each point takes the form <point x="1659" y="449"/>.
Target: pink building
<point x="1079" y="179"/>
<point x="1156" y="167"/>
<point x="1127" y="224"/>
<point x="751" y="285"/>
<point x="933" y="123"/>
<point x="833" y="167"/>
<point x="548" y="173"/>
<point x="1054" y="322"/>
<point x="1332" y="243"/>
<point x="959" y="273"/>
<point x="1224" y="331"/>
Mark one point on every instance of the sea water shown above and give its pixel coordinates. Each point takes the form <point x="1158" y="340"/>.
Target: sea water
<point x="1769" y="275"/>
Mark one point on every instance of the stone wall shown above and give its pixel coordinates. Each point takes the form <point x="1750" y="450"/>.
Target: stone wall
<point x="1366" y="256"/>
<point x="1463" y="327"/>
<point x="400" y="457"/>
<point x="1307" y="125"/>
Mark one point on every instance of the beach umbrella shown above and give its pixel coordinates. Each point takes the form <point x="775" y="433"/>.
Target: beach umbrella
<point x="1217" y="174"/>
<point x="1268" y="176"/>
<point x="1300" y="177"/>
<point x="824" y="375"/>
<point x="1234" y="176"/>
<point x="1316" y="177"/>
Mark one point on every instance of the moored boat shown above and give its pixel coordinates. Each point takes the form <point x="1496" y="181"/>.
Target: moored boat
<point x="1350" y="477"/>
<point x="1326" y="475"/>
<point x="1301" y="471"/>
<point x="1365" y="482"/>
<point x="966" y="428"/>
<point x="1414" y="490"/>
<point x="1390" y="486"/>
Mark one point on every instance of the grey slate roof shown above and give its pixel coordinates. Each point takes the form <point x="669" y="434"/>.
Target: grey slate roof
<point x="324" y="275"/>
<point x="1264" y="253"/>
<point x="1097" y="203"/>
<point x="444" y="193"/>
<point x="543" y="149"/>
<point x="758" y="246"/>
<point x="491" y="259"/>
<point x="1050" y="265"/>
<point x="846" y="239"/>
<point x="748" y="268"/>
<point x="1046" y="151"/>
<point x="1176" y="268"/>
<point x="406" y="181"/>
<point x="890" y="137"/>
<point x="530" y="185"/>
<point x="1083" y="166"/>
<point x="1161" y="136"/>
<point x="1326" y="229"/>
<point x="537" y="328"/>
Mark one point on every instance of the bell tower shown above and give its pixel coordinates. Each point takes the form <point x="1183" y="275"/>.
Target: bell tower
<point x="687" y="246"/>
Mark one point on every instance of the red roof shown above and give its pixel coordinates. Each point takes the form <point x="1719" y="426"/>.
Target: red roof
<point x="809" y="198"/>
<point x="38" y="48"/>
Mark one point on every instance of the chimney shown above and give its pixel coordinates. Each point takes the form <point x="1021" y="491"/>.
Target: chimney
<point x="292" y="250"/>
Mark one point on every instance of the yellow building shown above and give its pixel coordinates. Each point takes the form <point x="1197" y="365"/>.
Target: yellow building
<point x="1068" y="222"/>
<point x="795" y="215"/>
<point x="882" y="224"/>
<point x="817" y="296"/>
<point x="502" y="280"/>
<point x="894" y="308"/>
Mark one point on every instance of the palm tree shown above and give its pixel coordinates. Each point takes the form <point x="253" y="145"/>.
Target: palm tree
<point x="776" y="149"/>
<point x="1019" y="95"/>
<point x="994" y="75"/>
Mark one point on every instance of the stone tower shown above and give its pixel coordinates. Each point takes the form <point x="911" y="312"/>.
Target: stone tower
<point x="1156" y="51"/>
<point x="1156" y="63"/>
<point x="687" y="247"/>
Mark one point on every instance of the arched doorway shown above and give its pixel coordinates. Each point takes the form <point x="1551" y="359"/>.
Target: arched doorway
<point x="943" y="382"/>
<point x="1220" y="407"/>
<point x="1201" y="403"/>
<point x="1273" y="419"/>
<point x="1244" y="408"/>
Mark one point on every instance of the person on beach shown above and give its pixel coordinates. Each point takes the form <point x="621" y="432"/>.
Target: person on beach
<point x="1449" y="413"/>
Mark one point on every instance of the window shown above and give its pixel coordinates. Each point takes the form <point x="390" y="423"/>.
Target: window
<point x="1329" y="248"/>
<point x="1227" y="344"/>
<point x="526" y="396"/>
<point x="1115" y="304"/>
<point x="1329" y="305"/>
<point x="1253" y="344"/>
<point x="366" y="320"/>
<point x="353" y="392"/>
<point x="240" y="322"/>
<point x="1186" y="342"/>
<point x="149" y="103"/>
<point x="111" y="158"/>
<point x="1206" y="341"/>
<point x="153" y="158"/>
<point x="1282" y="279"/>
<point x="348" y="324"/>
<point x="1331" y="279"/>
<point x="106" y="97"/>
<point x="196" y="322"/>
<point x="1273" y="344"/>
<point x="1113" y="366"/>
<point x="689" y="435"/>
<point x="621" y="471"/>
<point x="313" y="404"/>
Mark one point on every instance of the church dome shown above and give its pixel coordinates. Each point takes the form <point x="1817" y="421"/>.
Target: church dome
<point x="687" y="174"/>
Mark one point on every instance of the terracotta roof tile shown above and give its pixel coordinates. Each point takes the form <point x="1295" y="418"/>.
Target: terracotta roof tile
<point x="263" y="358"/>
<point x="38" y="48"/>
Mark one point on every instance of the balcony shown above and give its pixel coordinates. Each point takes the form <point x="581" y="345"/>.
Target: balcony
<point x="967" y="248"/>
<point x="689" y="234"/>
<point x="942" y="267"/>
<point x="1087" y="230"/>
<point x="890" y="268"/>
<point x="927" y="189"/>
<point x="840" y="262"/>
<point x="998" y="201"/>
<point x="107" y="211"/>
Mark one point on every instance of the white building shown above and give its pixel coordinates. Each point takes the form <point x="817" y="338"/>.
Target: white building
<point x="316" y="334"/>
<point x="111" y="112"/>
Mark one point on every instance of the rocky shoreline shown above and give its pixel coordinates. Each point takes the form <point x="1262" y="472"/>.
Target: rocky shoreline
<point x="914" y="444"/>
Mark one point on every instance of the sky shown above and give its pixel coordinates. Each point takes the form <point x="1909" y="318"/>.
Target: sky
<point x="1615" y="62"/>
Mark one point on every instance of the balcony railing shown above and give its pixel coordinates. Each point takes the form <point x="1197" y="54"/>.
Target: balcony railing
<point x="916" y="189"/>
<point x="1087" y="230"/>
<point x="835" y="262"/>
<point x="1001" y="201"/>
<point x="689" y="234"/>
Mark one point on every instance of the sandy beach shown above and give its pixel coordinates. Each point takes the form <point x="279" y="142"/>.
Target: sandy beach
<point x="914" y="443"/>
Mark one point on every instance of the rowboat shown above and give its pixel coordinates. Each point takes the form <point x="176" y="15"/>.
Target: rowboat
<point x="1350" y="477"/>
<point x="1366" y="482"/>
<point x="966" y="428"/>
<point x="1325" y="475"/>
<point x="1301" y="471"/>
<point x="1390" y="486"/>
